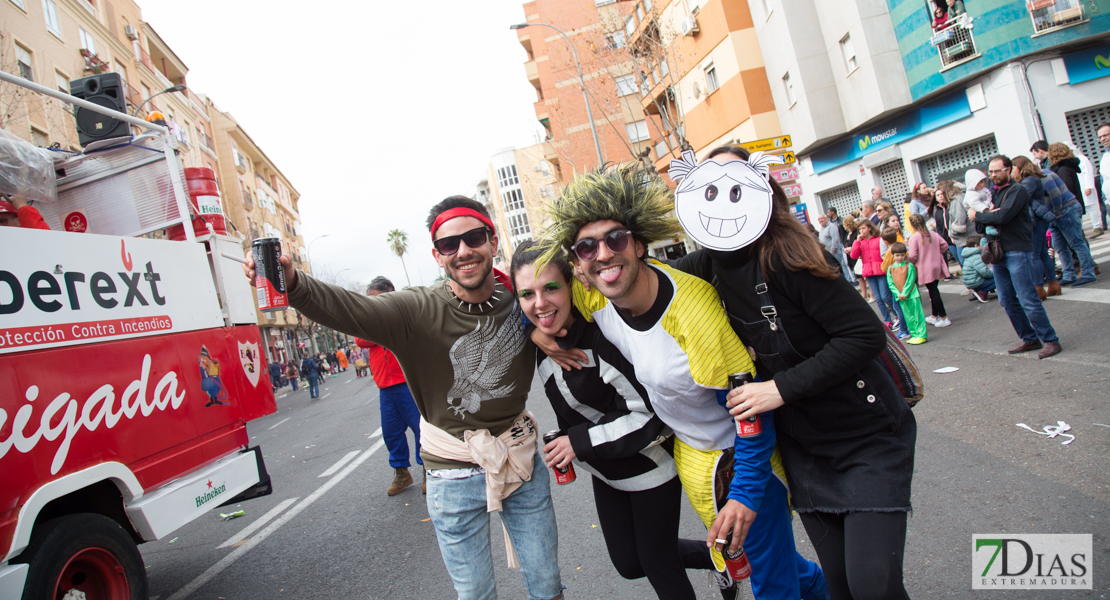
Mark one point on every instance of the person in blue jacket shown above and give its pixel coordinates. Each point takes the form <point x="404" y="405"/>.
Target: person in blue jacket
<point x="311" y="371"/>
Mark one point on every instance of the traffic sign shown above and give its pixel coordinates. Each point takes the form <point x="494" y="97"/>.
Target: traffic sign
<point x="765" y="145"/>
<point x="785" y="174"/>
<point x="787" y="156"/>
<point x="792" y="190"/>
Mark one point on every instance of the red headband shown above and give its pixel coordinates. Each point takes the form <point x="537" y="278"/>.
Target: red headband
<point x="460" y="211"/>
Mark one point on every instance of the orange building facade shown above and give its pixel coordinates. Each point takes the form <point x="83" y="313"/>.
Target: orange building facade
<point x="702" y="73"/>
<point x="594" y="29"/>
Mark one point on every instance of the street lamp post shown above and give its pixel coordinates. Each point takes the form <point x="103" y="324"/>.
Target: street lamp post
<point x="581" y="81"/>
<point x="177" y="88"/>
<point x="309" y="250"/>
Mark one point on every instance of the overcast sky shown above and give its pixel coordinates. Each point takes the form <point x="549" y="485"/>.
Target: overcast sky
<point x="374" y="111"/>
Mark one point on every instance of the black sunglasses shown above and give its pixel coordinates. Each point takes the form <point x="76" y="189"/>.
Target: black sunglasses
<point x="475" y="238"/>
<point x="616" y="241"/>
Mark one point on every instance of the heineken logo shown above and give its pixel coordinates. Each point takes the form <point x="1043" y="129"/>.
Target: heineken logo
<point x="211" y="494"/>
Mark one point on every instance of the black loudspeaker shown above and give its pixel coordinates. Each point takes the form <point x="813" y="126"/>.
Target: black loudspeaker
<point x="105" y="90"/>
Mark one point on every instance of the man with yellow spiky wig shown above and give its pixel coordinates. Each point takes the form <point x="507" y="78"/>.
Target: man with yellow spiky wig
<point x="672" y="328"/>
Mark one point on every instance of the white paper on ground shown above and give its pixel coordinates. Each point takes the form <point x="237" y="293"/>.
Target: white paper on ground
<point x="946" y="370"/>
<point x="1053" y="430"/>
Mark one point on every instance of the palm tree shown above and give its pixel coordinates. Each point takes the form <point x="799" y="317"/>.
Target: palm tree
<point x="399" y="242"/>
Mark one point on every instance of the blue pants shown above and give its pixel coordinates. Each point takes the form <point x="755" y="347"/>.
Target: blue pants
<point x="1019" y="298"/>
<point x="957" y="253"/>
<point x="1067" y="237"/>
<point x="457" y="508"/>
<point x="884" y="298"/>
<point x="1044" y="270"/>
<point x="399" y="413"/>
<point x="770" y="548"/>
<point x="313" y="387"/>
<point x="988" y="285"/>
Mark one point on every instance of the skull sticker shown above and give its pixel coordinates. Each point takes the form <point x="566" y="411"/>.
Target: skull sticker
<point x="723" y="206"/>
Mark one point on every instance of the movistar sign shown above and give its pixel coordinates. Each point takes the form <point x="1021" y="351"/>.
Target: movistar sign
<point x="931" y="116"/>
<point x="1086" y="65"/>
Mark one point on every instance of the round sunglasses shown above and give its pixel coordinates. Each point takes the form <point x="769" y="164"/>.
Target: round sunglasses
<point x="475" y="238"/>
<point x="616" y="241"/>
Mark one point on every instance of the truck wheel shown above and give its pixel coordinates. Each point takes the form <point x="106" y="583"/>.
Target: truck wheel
<point x="86" y="553"/>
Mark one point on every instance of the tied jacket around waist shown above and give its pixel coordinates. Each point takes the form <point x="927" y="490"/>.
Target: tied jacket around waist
<point x="845" y="433"/>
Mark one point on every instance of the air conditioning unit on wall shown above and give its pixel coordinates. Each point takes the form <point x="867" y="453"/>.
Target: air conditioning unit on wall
<point x="131" y="32"/>
<point x="689" y="25"/>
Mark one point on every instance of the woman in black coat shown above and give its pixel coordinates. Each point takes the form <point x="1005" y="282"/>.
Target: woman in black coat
<point x="847" y="435"/>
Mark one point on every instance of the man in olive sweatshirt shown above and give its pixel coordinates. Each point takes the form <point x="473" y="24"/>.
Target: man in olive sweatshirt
<point x="469" y="366"/>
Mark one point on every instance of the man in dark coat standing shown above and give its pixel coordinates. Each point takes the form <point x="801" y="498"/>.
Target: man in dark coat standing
<point x="1016" y="290"/>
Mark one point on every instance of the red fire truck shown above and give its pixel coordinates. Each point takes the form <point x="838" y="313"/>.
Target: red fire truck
<point x="129" y="368"/>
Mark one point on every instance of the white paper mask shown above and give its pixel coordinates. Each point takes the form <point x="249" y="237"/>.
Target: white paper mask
<point x="723" y="206"/>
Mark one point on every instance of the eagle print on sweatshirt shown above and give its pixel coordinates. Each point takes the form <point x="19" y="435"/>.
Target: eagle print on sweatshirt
<point x="480" y="360"/>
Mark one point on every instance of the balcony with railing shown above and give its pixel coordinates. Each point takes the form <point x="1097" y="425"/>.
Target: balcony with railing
<point x="955" y="43"/>
<point x="1051" y="15"/>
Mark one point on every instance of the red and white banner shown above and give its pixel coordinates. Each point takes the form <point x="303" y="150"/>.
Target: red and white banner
<point x="59" y="289"/>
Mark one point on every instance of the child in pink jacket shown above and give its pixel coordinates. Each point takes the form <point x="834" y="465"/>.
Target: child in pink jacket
<point x="926" y="252"/>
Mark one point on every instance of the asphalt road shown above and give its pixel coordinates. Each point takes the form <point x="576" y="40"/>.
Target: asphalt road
<point x="330" y="531"/>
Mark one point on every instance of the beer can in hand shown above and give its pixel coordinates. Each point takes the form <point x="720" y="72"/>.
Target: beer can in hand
<point x="737" y="562"/>
<point x="563" y="475"/>
<point x="751" y="426"/>
<point x="269" y="277"/>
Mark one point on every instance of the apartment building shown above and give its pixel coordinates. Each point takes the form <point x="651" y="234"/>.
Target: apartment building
<point x="873" y="95"/>
<point x="259" y="201"/>
<point x="54" y="42"/>
<point x="596" y="43"/>
<point x="518" y="183"/>
<point x="701" y="73"/>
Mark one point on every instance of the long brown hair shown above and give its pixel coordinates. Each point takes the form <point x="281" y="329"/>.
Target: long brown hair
<point x="1027" y="168"/>
<point x="917" y="221"/>
<point x="786" y="238"/>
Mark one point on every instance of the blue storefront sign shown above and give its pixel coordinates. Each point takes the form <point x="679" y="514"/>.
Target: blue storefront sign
<point x="800" y="213"/>
<point x="933" y="115"/>
<point x="1086" y="65"/>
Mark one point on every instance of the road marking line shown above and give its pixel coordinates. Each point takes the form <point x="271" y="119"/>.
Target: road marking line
<point x="236" y="554"/>
<point x="325" y="395"/>
<point x="246" y="532"/>
<point x="376" y="433"/>
<point x="280" y="422"/>
<point x="339" y="465"/>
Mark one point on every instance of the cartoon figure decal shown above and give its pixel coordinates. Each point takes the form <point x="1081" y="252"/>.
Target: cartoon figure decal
<point x="251" y="361"/>
<point x="723" y="206"/>
<point x="210" y="378"/>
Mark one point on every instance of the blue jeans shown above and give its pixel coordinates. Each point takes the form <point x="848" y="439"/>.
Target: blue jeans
<point x="399" y="414"/>
<point x="1067" y="236"/>
<point x="313" y="387"/>
<point x="883" y="297"/>
<point x="293" y="383"/>
<point x="458" y="511"/>
<point x="848" y="274"/>
<point x="988" y="285"/>
<point x="1044" y="270"/>
<point x="1019" y="298"/>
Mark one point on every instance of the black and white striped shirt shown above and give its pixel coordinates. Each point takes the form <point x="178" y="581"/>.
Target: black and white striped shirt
<point x="606" y="413"/>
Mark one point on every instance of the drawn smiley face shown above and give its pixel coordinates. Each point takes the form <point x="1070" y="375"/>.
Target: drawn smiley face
<point x="724" y="206"/>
